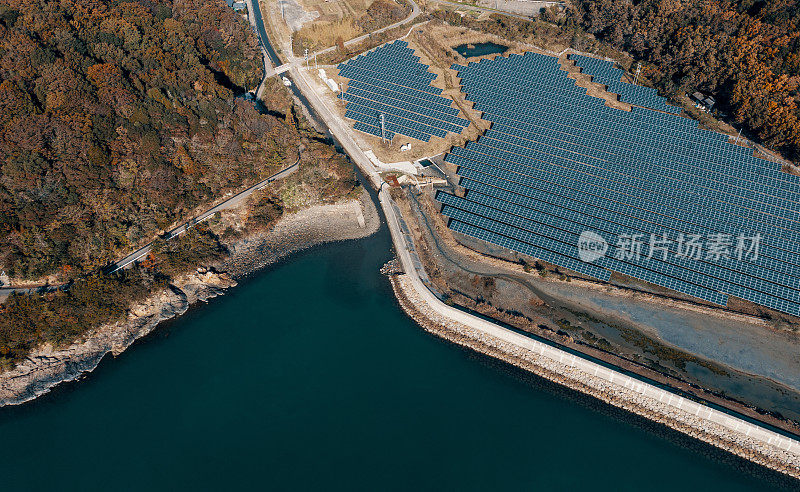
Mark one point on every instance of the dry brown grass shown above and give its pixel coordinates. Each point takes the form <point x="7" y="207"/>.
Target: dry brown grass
<point x="318" y="35"/>
<point x="336" y="9"/>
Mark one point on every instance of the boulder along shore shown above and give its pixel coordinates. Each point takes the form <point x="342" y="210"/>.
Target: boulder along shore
<point x="48" y="366"/>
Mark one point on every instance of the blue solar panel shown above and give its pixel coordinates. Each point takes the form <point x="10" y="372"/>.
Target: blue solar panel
<point x="557" y="162"/>
<point x="390" y="81"/>
<point x="603" y="72"/>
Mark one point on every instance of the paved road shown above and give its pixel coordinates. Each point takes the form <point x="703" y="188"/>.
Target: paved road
<point x="283" y="68"/>
<point x="7" y="291"/>
<point x="587" y="367"/>
<point x="338" y="128"/>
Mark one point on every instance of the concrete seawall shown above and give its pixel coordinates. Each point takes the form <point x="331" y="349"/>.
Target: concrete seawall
<point x="733" y="434"/>
<point x="746" y="440"/>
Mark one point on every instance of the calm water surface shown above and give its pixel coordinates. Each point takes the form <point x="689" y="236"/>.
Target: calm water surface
<point x="309" y="376"/>
<point x="480" y="49"/>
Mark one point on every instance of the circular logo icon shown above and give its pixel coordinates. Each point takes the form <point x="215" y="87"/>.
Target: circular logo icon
<point x="591" y="246"/>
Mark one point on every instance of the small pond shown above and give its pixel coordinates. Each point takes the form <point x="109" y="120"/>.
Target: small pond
<point x="480" y="49"/>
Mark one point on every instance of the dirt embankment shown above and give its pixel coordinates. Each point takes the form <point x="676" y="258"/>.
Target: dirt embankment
<point x="48" y="366"/>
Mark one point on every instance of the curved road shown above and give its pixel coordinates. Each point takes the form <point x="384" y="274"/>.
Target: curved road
<point x="621" y="383"/>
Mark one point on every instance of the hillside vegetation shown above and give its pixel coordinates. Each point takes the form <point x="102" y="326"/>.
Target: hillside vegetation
<point x="117" y="119"/>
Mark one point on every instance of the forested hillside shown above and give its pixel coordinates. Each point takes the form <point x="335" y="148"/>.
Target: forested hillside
<point x="117" y="119"/>
<point x="747" y="52"/>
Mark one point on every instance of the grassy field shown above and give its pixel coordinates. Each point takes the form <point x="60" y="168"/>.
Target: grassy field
<point x="321" y="34"/>
<point x="344" y="20"/>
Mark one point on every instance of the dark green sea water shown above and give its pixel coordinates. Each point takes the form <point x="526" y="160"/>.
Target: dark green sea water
<point x="308" y="376"/>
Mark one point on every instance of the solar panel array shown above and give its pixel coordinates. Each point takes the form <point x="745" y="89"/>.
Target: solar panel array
<point x="603" y="72"/>
<point x="391" y="81"/>
<point x="557" y="162"/>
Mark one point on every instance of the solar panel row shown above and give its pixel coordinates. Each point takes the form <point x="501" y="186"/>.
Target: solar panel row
<point x="520" y="228"/>
<point x="488" y="85"/>
<point x="423" y="123"/>
<point x="660" y="162"/>
<point x="556" y="163"/>
<point x="633" y="198"/>
<point x="353" y="72"/>
<point x="722" y="275"/>
<point x="404" y="109"/>
<point x="372" y="129"/>
<point x="648" y="176"/>
<point x="634" y="202"/>
<point x="596" y="118"/>
<point x="604" y="73"/>
<point x="392" y="126"/>
<point x="522" y="247"/>
<point x="435" y="103"/>
<point x="701" y="268"/>
<point x="762" y="187"/>
<point x="436" y="111"/>
<point x="390" y="82"/>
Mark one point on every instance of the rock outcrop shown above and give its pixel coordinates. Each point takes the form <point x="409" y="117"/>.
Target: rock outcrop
<point x="48" y="366"/>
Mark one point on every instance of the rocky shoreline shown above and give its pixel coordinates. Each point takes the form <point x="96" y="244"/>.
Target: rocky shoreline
<point x="47" y="366"/>
<point x="738" y="444"/>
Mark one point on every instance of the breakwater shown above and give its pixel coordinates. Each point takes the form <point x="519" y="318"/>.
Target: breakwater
<point x="622" y="396"/>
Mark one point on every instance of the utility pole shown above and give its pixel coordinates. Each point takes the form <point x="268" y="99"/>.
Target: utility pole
<point x="383" y="128"/>
<point x="283" y="16"/>
<point x="638" y="69"/>
<point x="305" y="53"/>
<point x="315" y="61"/>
